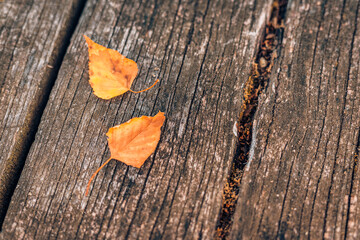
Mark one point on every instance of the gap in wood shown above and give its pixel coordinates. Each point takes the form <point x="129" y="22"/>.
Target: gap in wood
<point x="16" y="164"/>
<point x="260" y="74"/>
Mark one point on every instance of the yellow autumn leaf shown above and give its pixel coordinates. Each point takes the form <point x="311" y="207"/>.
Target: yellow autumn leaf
<point x="134" y="141"/>
<point x="111" y="74"/>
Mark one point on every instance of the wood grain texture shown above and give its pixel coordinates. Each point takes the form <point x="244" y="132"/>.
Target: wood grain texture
<point x="202" y="52"/>
<point x="32" y="37"/>
<point x="302" y="171"/>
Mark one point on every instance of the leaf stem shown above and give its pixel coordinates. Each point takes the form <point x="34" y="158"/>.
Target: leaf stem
<point x="157" y="80"/>
<point x="96" y="172"/>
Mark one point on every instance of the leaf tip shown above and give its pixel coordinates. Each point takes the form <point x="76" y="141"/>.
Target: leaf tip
<point x="87" y="39"/>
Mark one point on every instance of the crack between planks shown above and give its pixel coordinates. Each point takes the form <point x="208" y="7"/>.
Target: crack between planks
<point x="26" y="135"/>
<point x="260" y="73"/>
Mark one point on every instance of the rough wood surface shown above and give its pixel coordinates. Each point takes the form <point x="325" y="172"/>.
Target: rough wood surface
<point x="201" y="51"/>
<point x="32" y="35"/>
<point x="302" y="180"/>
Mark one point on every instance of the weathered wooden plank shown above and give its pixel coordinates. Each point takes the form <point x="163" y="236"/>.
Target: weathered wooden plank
<point x="32" y="39"/>
<point x="302" y="173"/>
<point x="203" y="50"/>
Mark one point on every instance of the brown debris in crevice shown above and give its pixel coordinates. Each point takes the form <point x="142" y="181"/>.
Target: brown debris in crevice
<point x="258" y="79"/>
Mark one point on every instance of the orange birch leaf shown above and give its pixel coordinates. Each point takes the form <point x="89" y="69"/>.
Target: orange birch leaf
<point x="111" y="74"/>
<point x="134" y="141"/>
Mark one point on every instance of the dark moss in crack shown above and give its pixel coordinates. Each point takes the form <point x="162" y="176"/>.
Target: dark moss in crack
<point x="264" y="61"/>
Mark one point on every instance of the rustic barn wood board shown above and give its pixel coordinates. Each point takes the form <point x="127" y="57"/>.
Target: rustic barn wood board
<point x="32" y="38"/>
<point x="303" y="180"/>
<point x="202" y="52"/>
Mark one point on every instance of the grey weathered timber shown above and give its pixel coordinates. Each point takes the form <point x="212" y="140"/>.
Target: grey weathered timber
<point x="302" y="180"/>
<point x="202" y="52"/>
<point x="32" y="39"/>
